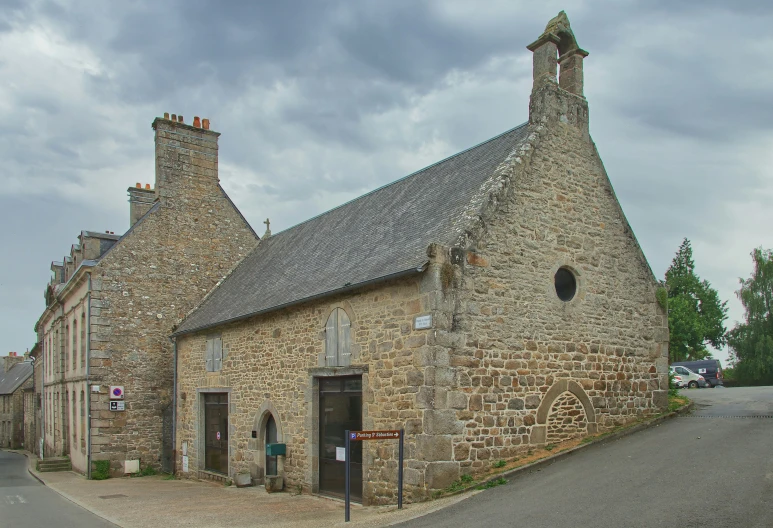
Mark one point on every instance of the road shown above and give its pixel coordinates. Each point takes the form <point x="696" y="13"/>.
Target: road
<point x="713" y="467"/>
<point x="25" y="502"/>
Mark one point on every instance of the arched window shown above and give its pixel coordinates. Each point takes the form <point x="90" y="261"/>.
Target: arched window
<point x="83" y="422"/>
<point x="83" y="340"/>
<point x="338" y="339"/>
<point x="74" y="343"/>
<point x="66" y="349"/>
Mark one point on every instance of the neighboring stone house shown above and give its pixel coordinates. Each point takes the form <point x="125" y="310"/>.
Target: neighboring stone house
<point x="15" y="378"/>
<point x="32" y="395"/>
<point x="113" y="302"/>
<point x="493" y="301"/>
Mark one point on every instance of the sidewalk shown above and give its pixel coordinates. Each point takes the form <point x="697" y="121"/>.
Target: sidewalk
<point x="154" y="501"/>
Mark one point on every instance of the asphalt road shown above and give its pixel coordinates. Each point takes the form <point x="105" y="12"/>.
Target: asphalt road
<point x="711" y="468"/>
<point x="25" y="502"/>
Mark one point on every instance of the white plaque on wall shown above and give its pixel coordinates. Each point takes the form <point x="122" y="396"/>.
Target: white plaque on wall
<point x="185" y="464"/>
<point x="420" y="323"/>
<point x="341" y="454"/>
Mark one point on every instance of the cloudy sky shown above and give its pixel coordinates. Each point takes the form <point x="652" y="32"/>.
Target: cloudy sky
<point x="320" y="102"/>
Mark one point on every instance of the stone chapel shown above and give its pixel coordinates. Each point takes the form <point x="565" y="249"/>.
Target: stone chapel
<point x="493" y="301"/>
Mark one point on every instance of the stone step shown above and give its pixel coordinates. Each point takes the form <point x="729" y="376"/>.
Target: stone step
<point x="54" y="464"/>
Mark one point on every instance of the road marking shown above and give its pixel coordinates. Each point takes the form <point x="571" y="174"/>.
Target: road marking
<point x="15" y="499"/>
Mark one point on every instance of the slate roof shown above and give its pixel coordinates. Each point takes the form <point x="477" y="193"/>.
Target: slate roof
<point x="382" y="234"/>
<point x="13" y="379"/>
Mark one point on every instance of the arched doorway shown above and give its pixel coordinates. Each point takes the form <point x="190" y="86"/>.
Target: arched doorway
<point x="271" y="438"/>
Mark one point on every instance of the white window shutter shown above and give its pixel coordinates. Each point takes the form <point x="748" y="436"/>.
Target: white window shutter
<point x="344" y="334"/>
<point x="331" y="339"/>
<point x="209" y="356"/>
<point x="218" y="354"/>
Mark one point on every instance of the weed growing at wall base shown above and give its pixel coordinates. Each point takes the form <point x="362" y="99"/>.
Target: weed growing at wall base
<point x="101" y="470"/>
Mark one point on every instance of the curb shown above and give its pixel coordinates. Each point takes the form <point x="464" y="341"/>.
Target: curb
<point x="519" y="471"/>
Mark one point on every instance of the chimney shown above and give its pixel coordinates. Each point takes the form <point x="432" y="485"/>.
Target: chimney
<point x="10" y="360"/>
<point x="562" y="100"/>
<point x="140" y="201"/>
<point x="186" y="161"/>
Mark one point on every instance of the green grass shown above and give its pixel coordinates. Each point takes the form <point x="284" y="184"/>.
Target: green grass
<point x="148" y="471"/>
<point x="499" y="464"/>
<point x="101" y="470"/>
<point x="170" y="476"/>
<point x="493" y="483"/>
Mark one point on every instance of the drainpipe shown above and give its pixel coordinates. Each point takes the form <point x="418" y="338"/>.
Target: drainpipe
<point x="42" y="441"/>
<point x="88" y="379"/>
<point x="174" y="408"/>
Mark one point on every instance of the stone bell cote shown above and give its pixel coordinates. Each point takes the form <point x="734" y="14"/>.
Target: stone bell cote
<point x="551" y="99"/>
<point x="558" y="46"/>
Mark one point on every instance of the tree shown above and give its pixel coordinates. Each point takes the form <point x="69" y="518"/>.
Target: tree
<point x="751" y="342"/>
<point x="696" y="317"/>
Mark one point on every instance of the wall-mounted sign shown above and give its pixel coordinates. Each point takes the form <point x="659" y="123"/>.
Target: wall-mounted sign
<point x="218" y="435"/>
<point x="117" y="405"/>
<point x="116" y="392"/>
<point x="340" y="454"/>
<point x="185" y="463"/>
<point x="422" y="322"/>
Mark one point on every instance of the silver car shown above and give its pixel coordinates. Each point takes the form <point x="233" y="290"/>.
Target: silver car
<point x="688" y="378"/>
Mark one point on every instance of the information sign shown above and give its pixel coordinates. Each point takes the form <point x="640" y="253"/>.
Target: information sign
<point x="373" y="435"/>
<point x="422" y="322"/>
<point x="116" y="405"/>
<point x="357" y="436"/>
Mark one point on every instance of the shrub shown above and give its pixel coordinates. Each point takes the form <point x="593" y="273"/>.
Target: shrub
<point x="101" y="470"/>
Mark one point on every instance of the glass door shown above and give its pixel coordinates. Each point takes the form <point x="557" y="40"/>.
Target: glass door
<point x="216" y="432"/>
<point x="340" y="408"/>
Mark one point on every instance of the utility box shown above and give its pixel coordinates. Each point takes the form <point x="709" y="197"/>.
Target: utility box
<point x="276" y="449"/>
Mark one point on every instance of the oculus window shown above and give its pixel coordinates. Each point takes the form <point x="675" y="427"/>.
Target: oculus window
<point x="566" y="284"/>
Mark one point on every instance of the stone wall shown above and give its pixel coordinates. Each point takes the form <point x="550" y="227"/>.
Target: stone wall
<point x="513" y="343"/>
<point x="12" y="417"/>
<point x="148" y="281"/>
<point x="272" y="363"/>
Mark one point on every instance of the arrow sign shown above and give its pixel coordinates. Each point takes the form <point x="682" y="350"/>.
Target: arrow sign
<point x="355" y="436"/>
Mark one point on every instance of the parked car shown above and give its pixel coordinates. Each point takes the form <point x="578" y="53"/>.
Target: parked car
<point x="710" y="369"/>
<point x="687" y="378"/>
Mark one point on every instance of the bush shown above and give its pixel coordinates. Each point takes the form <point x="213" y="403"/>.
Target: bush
<point x="148" y="471"/>
<point x="101" y="470"/>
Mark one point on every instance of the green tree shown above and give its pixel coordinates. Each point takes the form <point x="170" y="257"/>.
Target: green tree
<point x="696" y="317"/>
<point x="751" y="342"/>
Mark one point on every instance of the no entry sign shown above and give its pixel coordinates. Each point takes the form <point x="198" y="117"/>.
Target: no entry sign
<point x="373" y="435"/>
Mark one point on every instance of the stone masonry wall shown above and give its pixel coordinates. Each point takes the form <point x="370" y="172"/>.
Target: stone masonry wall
<point x="514" y="345"/>
<point x="147" y="282"/>
<point x="272" y="362"/>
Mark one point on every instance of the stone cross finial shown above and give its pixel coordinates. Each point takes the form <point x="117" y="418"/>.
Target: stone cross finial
<point x="268" y="230"/>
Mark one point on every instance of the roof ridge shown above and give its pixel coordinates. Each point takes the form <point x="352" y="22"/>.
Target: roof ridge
<point x="415" y="173"/>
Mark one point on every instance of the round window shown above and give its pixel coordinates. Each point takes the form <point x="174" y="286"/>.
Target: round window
<point x="566" y="284"/>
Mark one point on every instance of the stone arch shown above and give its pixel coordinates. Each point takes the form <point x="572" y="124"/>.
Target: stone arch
<point x="264" y="412"/>
<point x="539" y="430"/>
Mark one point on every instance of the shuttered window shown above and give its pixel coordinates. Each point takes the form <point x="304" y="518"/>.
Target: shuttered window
<point x="214" y="354"/>
<point x="338" y="339"/>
